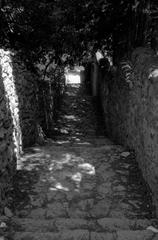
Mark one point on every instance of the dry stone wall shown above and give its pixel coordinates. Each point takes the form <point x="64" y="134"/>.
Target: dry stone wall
<point x="27" y="105"/>
<point x="9" y="145"/>
<point x="18" y="125"/>
<point x="129" y="98"/>
<point x="26" y="85"/>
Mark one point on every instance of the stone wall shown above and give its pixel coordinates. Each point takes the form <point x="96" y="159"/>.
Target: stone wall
<point x="27" y="106"/>
<point x="129" y="98"/>
<point x="9" y="145"/>
<point x="18" y="125"/>
<point x="26" y="90"/>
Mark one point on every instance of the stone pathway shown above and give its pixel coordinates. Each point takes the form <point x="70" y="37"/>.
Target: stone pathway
<point x="79" y="186"/>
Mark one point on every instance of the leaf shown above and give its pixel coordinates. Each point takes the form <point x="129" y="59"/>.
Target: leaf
<point x="3" y="225"/>
<point x="153" y="229"/>
<point x="8" y="212"/>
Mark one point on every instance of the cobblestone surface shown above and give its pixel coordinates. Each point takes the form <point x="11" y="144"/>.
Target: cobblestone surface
<point x="80" y="186"/>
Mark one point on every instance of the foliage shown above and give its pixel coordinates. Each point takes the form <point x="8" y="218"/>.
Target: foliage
<point x="75" y="27"/>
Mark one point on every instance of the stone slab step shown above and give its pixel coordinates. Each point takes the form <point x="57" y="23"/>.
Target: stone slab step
<point x="65" y="235"/>
<point x="86" y="235"/>
<point x="100" y="225"/>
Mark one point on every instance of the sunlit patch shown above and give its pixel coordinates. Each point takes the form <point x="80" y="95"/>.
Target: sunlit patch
<point x="53" y="189"/>
<point x="59" y="186"/>
<point x="77" y="177"/>
<point x="52" y="179"/>
<point x="36" y="149"/>
<point x="61" y="171"/>
<point x="71" y="117"/>
<point x="44" y="180"/>
<point x="64" y="131"/>
<point x="79" y="134"/>
<point x="62" y="142"/>
<point x="84" y="143"/>
<point x="51" y="167"/>
<point x="33" y="160"/>
<point x="76" y="139"/>
<point x="87" y="168"/>
<point x="70" y="94"/>
<point x="28" y="156"/>
<point x="79" y="68"/>
<point x="70" y="158"/>
<point x="30" y="167"/>
<point x="154" y="74"/>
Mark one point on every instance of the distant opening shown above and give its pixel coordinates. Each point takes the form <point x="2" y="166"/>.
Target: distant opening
<point x="74" y="76"/>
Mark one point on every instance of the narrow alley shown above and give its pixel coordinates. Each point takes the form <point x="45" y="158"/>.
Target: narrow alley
<point x="80" y="185"/>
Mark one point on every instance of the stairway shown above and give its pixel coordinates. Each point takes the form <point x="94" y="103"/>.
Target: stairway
<point x="80" y="185"/>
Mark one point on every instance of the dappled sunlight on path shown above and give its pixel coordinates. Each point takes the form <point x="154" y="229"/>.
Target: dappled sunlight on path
<point x="79" y="185"/>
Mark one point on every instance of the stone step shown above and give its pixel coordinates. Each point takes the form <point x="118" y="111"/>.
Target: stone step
<point x="99" y="225"/>
<point x="87" y="235"/>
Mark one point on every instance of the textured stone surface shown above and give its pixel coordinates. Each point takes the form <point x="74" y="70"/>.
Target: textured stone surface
<point x="101" y="236"/>
<point x="68" y="191"/>
<point x="135" y="235"/>
<point x="8" y="137"/>
<point x="20" y="108"/>
<point x="129" y="100"/>
<point x="17" y="116"/>
<point x="56" y="210"/>
<point x="111" y="224"/>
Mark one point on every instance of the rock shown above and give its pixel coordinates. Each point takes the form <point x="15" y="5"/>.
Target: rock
<point x="77" y="177"/>
<point x="142" y="223"/>
<point x="75" y="235"/>
<point x="119" y="188"/>
<point x="86" y="205"/>
<point x="125" y="154"/>
<point x="71" y="223"/>
<point x="77" y="213"/>
<point x="87" y="168"/>
<point x="55" y="210"/>
<point x="101" y="236"/>
<point x="37" y="202"/>
<point x="135" y="235"/>
<point x="3" y="225"/>
<point x="104" y="189"/>
<point x="38" y="213"/>
<point x="113" y="224"/>
<point x="101" y="209"/>
<point x="34" y="225"/>
<point x="36" y="236"/>
<point x="54" y="195"/>
<point x="88" y="186"/>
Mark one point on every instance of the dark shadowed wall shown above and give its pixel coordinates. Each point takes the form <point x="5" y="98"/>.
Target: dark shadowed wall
<point x="129" y="97"/>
